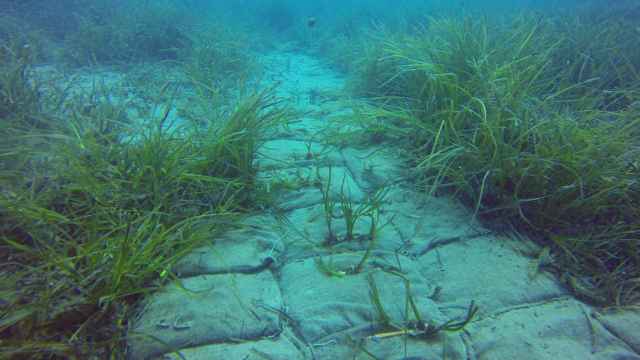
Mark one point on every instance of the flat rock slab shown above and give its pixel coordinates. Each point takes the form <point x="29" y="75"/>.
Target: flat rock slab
<point x="289" y="153"/>
<point x="419" y="218"/>
<point x="301" y="76"/>
<point x="206" y="309"/>
<point x="307" y="233"/>
<point x="485" y="269"/>
<point x="303" y="186"/>
<point x="341" y="183"/>
<point x="442" y="346"/>
<point x="402" y="226"/>
<point x="374" y="167"/>
<point x="253" y="248"/>
<point x="558" y="329"/>
<point x="324" y="306"/>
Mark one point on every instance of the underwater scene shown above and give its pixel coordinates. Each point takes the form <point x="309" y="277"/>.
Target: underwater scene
<point x="321" y="180"/>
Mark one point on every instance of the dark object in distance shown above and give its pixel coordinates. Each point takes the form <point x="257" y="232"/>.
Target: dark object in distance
<point x="311" y="22"/>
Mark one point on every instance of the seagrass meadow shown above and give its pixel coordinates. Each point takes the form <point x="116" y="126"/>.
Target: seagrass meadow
<point x="357" y="179"/>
